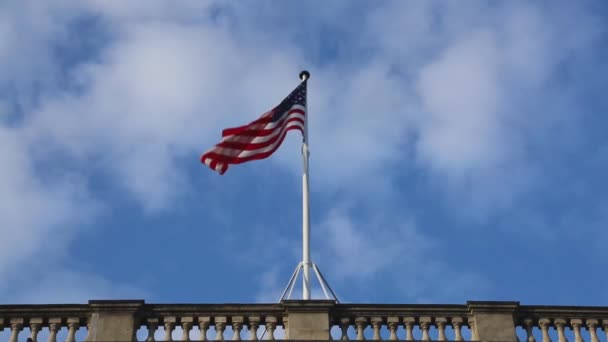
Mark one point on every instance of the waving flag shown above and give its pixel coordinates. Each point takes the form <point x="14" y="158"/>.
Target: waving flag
<point x="260" y="138"/>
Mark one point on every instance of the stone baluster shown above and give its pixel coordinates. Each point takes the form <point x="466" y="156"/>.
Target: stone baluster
<point x="54" y="327"/>
<point x="35" y="326"/>
<point x="152" y="327"/>
<point x="605" y="326"/>
<point x="88" y="335"/>
<point x="361" y="323"/>
<point x="393" y="325"/>
<point x="560" y="324"/>
<point x="425" y="323"/>
<point x="408" y="323"/>
<point x="544" y="324"/>
<point x="286" y="325"/>
<point x="576" y="326"/>
<point x="220" y="326"/>
<point x="73" y="326"/>
<point x="376" y="325"/>
<point x="592" y="326"/>
<point x="203" y="325"/>
<point x="457" y="326"/>
<point x="254" y="324"/>
<point x="187" y="323"/>
<point x="169" y="326"/>
<point x="471" y="323"/>
<point x="16" y="327"/>
<point x="237" y="325"/>
<point x="344" y="324"/>
<point x="441" y="322"/>
<point x="529" y="325"/>
<point x="271" y="325"/>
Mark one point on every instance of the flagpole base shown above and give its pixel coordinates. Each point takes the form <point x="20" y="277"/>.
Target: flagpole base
<point x="327" y="291"/>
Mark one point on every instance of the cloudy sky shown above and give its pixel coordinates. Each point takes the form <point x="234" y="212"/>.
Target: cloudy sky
<point x="458" y="150"/>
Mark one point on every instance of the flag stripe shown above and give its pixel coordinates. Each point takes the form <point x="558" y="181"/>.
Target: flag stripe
<point x="266" y="118"/>
<point x="261" y="128"/>
<point x="237" y="156"/>
<point x="255" y="142"/>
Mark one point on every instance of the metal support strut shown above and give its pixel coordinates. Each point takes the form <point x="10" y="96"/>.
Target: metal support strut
<point x="331" y="295"/>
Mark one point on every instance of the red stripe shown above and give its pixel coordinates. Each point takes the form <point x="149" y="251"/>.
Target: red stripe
<point x="215" y="157"/>
<point x="237" y="160"/>
<point x="238" y="145"/>
<point x="213" y="165"/>
<point x="265" y="118"/>
<point x="262" y="132"/>
<point x="249" y="130"/>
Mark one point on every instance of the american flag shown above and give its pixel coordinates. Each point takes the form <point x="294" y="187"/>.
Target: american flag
<point x="260" y="138"/>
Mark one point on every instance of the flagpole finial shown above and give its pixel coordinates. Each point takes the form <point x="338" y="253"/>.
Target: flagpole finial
<point x="304" y="75"/>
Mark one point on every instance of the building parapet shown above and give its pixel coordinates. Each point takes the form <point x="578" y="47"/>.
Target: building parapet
<point x="135" y="320"/>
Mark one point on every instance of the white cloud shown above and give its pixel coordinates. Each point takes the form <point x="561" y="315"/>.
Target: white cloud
<point x="461" y="94"/>
<point x="159" y="92"/>
<point x="149" y="11"/>
<point x="61" y="286"/>
<point x="41" y="212"/>
<point x="358" y="125"/>
<point x="158" y="89"/>
<point x="486" y="67"/>
<point x="356" y="251"/>
<point x="360" y="250"/>
<point x="37" y="214"/>
<point x="270" y="285"/>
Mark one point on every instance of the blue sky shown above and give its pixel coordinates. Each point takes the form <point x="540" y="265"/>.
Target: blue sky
<point x="458" y="150"/>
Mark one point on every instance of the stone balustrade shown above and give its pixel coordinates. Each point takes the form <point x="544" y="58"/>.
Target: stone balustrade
<point x="402" y="322"/>
<point x="199" y="319"/>
<point x="119" y="321"/>
<point x="562" y="324"/>
<point x="51" y="320"/>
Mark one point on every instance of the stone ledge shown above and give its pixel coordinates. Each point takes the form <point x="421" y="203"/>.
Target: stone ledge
<point x="116" y="305"/>
<point x="492" y="307"/>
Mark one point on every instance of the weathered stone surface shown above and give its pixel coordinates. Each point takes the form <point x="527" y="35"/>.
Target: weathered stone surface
<point x="493" y="321"/>
<point x="308" y="326"/>
<point x="113" y="320"/>
<point x="308" y="320"/>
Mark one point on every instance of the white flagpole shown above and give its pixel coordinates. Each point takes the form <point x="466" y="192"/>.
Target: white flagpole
<point x="304" y="75"/>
